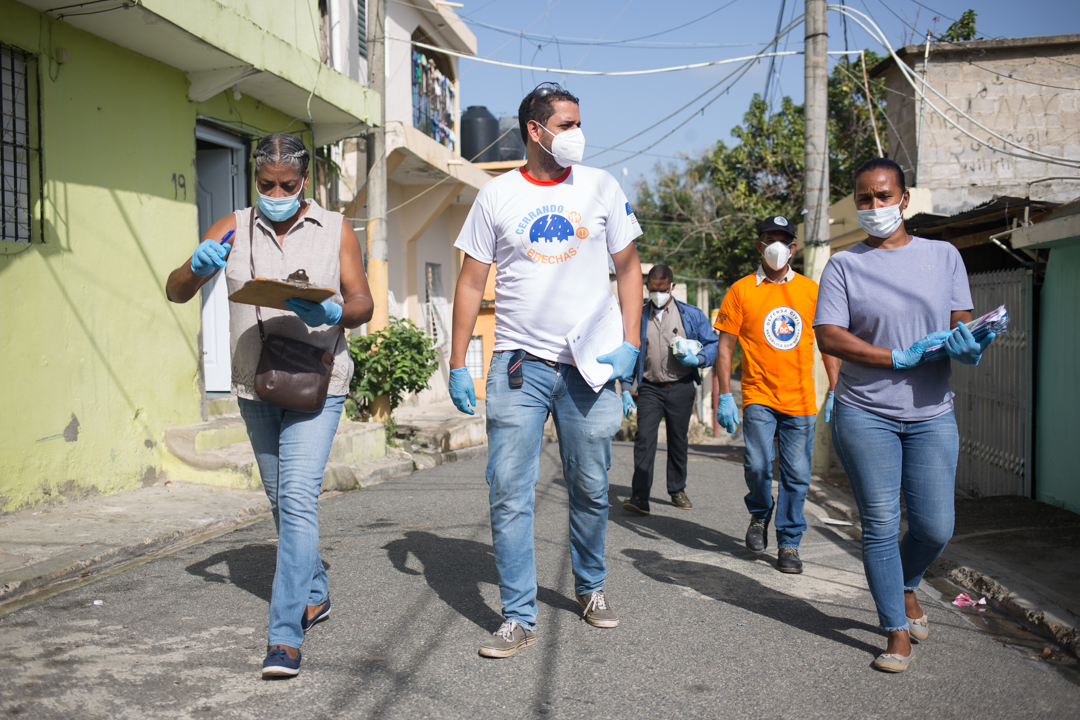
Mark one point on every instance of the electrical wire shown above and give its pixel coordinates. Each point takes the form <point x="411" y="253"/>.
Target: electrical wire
<point x="619" y="73"/>
<point x="598" y="41"/>
<point x="772" y="61"/>
<point x="1021" y="80"/>
<point x="740" y="71"/>
<point x="909" y="75"/>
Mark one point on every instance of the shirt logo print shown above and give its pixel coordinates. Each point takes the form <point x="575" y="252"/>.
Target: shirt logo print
<point x="554" y="236"/>
<point x="783" y="328"/>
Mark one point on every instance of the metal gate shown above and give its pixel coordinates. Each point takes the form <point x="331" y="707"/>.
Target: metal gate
<point x="993" y="401"/>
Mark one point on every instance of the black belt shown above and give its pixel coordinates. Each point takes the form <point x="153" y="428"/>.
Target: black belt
<point x="684" y="378"/>
<point x="530" y="356"/>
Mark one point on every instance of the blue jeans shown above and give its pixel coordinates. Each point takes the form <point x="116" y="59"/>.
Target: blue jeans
<point x="882" y="458"/>
<point x="585" y="422"/>
<point x="796" y="443"/>
<point x="291" y="449"/>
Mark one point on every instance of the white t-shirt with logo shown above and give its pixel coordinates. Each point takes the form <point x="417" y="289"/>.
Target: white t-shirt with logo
<point x="550" y="243"/>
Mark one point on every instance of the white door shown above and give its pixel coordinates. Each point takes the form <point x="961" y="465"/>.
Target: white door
<point x="220" y="190"/>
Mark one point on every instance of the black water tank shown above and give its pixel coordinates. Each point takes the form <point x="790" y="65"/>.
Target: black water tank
<point x="510" y="146"/>
<point x="479" y="130"/>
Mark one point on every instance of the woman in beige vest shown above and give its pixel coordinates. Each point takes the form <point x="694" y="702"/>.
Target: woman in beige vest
<point x="291" y="447"/>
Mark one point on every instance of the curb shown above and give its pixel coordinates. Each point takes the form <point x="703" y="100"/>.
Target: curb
<point x="426" y="461"/>
<point x="86" y="564"/>
<point x="1032" y="610"/>
<point x="55" y="574"/>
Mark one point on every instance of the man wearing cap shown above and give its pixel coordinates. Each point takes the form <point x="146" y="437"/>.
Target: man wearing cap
<point x="667" y="375"/>
<point x="771" y="313"/>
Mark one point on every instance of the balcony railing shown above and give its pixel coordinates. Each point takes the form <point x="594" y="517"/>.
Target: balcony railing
<point x="433" y="100"/>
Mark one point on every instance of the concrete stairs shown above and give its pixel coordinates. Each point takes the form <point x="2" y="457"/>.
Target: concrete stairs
<point x="217" y="452"/>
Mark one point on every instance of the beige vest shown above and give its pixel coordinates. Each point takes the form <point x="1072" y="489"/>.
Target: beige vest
<point x="661" y="366"/>
<point x="312" y="244"/>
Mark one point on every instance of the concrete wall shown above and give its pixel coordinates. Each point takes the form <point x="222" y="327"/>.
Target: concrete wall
<point x="1005" y="88"/>
<point x="97" y="362"/>
<point x="1057" y="475"/>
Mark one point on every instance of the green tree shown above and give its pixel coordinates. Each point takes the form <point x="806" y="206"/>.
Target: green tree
<point x="701" y="218"/>
<point x="962" y="29"/>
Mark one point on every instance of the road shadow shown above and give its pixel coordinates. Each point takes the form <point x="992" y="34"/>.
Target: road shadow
<point x="732" y="588"/>
<point x="249" y="568"/>
<point x="455" y="568"/>
<point x="684" y="532"/>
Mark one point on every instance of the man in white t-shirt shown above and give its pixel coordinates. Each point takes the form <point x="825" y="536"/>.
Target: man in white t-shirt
<point x="549" y="228"/>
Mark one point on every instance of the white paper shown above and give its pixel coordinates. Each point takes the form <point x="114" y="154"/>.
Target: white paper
<point x="601" y="331"/>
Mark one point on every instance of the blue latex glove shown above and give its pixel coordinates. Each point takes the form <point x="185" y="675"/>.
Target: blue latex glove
<point x="623" y="361"/>
<point x="313" y="314"/>
<point x="913" y="356"/>
<point x="209" y="257"/>
<point x="728" y="413"/>
<point x="461" y="390"/>
<point x="828" y="407"/>
<point x="689" y="360"/>
<point x="628" y="405"/>
<point x="963" y="346"/>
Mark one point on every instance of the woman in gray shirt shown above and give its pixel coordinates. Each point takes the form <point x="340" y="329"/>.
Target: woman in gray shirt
<point x="893" y="426"/>
<point x="286" y="233"/>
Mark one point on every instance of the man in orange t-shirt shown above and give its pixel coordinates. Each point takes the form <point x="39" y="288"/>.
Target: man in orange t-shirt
<point x="771" y="313"/>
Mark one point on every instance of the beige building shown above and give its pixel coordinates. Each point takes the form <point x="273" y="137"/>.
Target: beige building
<point x="430" y="186"/>
<point x="1025" y="89"/>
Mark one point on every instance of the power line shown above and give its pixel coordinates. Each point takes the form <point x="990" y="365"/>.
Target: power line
<point x="562" y="71"/>
<point x="772" y="61"/>
<point x="909" y="75"/>
<point x="601" y="41"/>
<point x="742" y="70"/>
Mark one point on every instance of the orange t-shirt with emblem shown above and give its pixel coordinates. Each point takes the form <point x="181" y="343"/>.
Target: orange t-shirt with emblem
<point x="774" y="324"/>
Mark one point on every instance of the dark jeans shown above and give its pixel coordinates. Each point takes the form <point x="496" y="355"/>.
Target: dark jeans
<point x="675" y="404"/>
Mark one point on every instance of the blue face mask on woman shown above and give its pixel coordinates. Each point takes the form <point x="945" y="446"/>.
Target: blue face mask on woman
<point x="280" y="209"/>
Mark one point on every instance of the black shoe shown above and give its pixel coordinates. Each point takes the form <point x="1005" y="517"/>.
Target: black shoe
<point x="788" y="561"/>
<point x="680" y="501"/>
<point x="636" y="505"/>
<point x="756" y="539"/>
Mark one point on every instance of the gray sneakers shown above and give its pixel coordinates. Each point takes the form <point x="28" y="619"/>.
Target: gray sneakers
<point x="597" y="611"/>
<point x="507" y="640"/>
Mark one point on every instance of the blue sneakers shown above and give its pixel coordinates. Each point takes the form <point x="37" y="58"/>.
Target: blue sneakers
<point x="279" y="664"/>
<point x="306" y="624"/>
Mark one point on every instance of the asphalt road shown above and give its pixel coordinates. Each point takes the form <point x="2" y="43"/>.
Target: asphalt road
<point x="707" y="630"/>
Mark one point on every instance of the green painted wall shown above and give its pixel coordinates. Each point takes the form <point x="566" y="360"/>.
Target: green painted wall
<point x="1057" y="473"/>
<point x="97" y="363"/>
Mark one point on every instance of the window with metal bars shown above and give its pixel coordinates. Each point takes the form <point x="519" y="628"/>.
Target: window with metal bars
<point x="20" y="151"/>
<point x="361" y="26"/>
<point x="474" y="357"/>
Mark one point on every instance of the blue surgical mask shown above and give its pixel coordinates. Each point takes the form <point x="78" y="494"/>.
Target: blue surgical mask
<point x="279" y="209"/>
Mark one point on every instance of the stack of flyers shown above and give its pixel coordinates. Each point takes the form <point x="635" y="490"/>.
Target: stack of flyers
<point x="995" y="321"/>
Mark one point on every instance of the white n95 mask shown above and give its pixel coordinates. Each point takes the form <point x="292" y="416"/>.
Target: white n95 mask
<point x="568" y="148"/>
<point x="777" y="254"/>
<point x="880" y="222"/>
<point x="659" y="299"/>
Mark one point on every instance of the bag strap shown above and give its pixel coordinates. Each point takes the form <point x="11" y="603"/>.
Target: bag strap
<point x="251" y="258"/>
<point x="258" y="313"/>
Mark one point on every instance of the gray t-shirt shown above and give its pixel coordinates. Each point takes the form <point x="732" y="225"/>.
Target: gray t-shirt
<point x="892" y="298"/>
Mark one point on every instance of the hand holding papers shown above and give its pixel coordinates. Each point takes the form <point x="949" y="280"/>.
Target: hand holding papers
<point x="994" y="322"/>
<point x="600" y="332"/>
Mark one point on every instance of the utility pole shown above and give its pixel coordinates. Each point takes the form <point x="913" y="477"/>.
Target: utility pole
<point x="377" y="274"/>
<point x="816" y="148"/>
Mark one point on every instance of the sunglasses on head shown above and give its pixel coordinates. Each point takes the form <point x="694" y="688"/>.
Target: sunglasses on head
<point x="546" y="88"/>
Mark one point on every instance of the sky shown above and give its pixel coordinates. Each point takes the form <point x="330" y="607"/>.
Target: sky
<point x="641" y="35"/>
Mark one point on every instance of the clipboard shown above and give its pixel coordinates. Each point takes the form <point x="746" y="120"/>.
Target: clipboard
<point x="273" y="293"/>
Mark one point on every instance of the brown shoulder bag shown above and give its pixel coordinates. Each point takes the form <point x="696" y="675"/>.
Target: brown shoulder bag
<point x="291" y="374"/>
